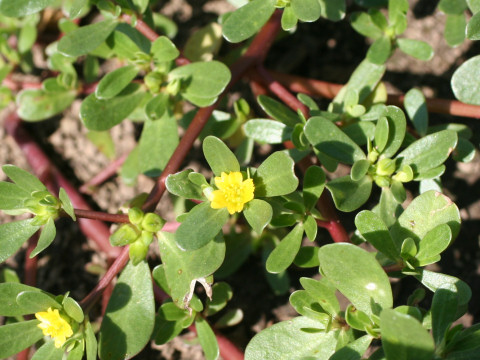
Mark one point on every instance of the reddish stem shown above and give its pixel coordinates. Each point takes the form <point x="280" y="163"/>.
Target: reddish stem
<point x="101" y="216"/>
<point x="142" y="27"/>
<point x="329" y="90"/>
<point x="103" y="175"/>
<point x="335" y="229"/>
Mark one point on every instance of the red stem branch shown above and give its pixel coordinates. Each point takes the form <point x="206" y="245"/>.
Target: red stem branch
<point x="101" y="216"/>
<point x="103" y="175"/>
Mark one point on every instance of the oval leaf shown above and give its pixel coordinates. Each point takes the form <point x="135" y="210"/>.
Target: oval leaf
<point x="207" y="339"/>
<point x="39" y="104"/>
<point x="114" y="82"/>
<point x="275" y="176"/>
<point x="20" y="8"/>
<point x="416" y="48"/>
<point x="267" y="131"/>
<point x="13" y="235"/>
<point x="464" y="81"/>
<point x="18" y="336"/>
<point x="349" y="195"/>
<point x="258" y="214"/>
<point x="8" y="296"/>
<point x="283" y="255"/>
<point x="219" y="157"/>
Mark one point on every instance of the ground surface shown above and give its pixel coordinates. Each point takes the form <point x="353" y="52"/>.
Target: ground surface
<point x="322" y="50"/>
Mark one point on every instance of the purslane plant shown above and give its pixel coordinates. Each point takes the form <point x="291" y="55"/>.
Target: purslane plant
<point x="250" y="203"/>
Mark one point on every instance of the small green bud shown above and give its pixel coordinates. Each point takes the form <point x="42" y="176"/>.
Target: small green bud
<point x="146" y="238"/>
<point x="173" y="87"/>
<point x="135" y="215"/>
<point x="385" y="167"/>
<point x="153" y="80"/>
<point x="152" y="222"/>
<point x="404" y="175"/>
<point x="382" y="181"/>
<point x="125" y="234"/>
<point x="138" y="251"/>
<point x="373" y="156"/>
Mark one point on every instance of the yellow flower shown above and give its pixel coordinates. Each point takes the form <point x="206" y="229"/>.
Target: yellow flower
<point x="55" y="326"/>
<point x="233" y="193"/>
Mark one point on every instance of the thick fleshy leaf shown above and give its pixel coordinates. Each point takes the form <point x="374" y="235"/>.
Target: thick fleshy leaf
<point x="180" y="185"/>
<point x="35" y="301"/>
<point x="13" y="235"/>
<point x="46" y="237"/>
<point x="40" y="104"/>
<point x="183" y="268"/>
<point x="417" y="111"/>
<point x="454" y="32"/>
<point x="404" y="338"/>
<point x="349" y="195"/>
<point x="275" y="176"/>
<point x="311" y="228"/>
<point x="247" y="20"/>
<point x="416" y="48"/>
<point x="115" y="81"/>
<point x="200" y="226"/>
<point x="444" y="308"/>
<point x="153" y="154"/>
<point x="433" y="243"/>
<point x="73" y="309"/>
<point x="380" y="50"/>
<point x="353" y="350"/>
<point x="368" y="290"/>
<point x="363" y="24"/>
<point x="464" y="84"/>
<point x="86" y="38"/>
<point x="207" y="339"/>
<point x="313" y="186"/>
<point x="24" y="179"/>
<point x="374" y="230"/>
<point x="258" y="214"/>
<point x="283" y="255"/>
<point x="99" y="115"/>
<point x="323" y="292"/>
<point x="452" y="6"/>
<point x="18" y="336"/>
<point x="424" y="213"/>
<point x="20" y="8"/>
<point x="204" y="43"/>
<point x="48" y="351"/>
<point x="306" y="10"/>
<point x="429" y="152"/>
<point x="163" y="49"/>
<point x="219" y="157"/>
<point x="12" y="196"/>
<point x="289" y="19"/>
<point x="325" y="136"/>
<point x="278" y="111"/>
<point x="397" y="125"/>
<point x="267" y="131"/>
<point x="130" y="313"/>
<point x="473" y="28"/>
<point x="66" y="203"/>
<point x="333" y="10"/>
<point x="359" y="169"/>
<point x="290" y="340"/>
<point x="307" y="257"/>
<point x="201" y="80"/>
<point x="8" y="295"/>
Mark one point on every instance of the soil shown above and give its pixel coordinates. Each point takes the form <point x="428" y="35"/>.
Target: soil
<point x="322" y="50"/>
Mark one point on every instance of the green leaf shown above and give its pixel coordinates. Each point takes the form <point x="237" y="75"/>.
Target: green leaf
<point x="84" y="39"/>
<point x="425" y="213"/>
<point x="404" y="338"/>
<point x="307" y="257"/>
<point x="368" y="289"/>
<point x="333" y="10"/>
<point x="46" y="237"/>
<point x="305" y="304"/>
<point x="163" y="49"/>
<point x="374" y="230"/>
<point x="433" y="244"/>
<point x="306" y="10"/>
<point x="23" y="179"/>
<point x="444" y="308"/>
<point x="464" y="151"/>
<point x="353" y="350"/>
<point x="455" y="28"/>
<point x="204" y="43"/>
<point x="397" y="125"/>
<point x="12" y="196"/>
<point x="452" y="6"/>
<point x="201" y="81"/>
<point x="275" y="176"/>
<point x="114" y="82"/>
<point x="380" y="50"/>
<point x="40" y="104"/>
<point x="267" y="131"/>
<point x="36" y="301"/>
<point x="428" y="152"/>
<point x="416" y="48"/>
<point x="129" y="317"/>
<point x="76" y="8"/>
<point x="48" y="351"/>
<point x="66" y="204"/>
<point x="180" y="185"/>
<point x="283" y="255"/>
<point x="349" y="195"/>
<point x="219" y="157"/>
<point x="153" y="154"/>
<point x="90" y="342"/>
<point x="8" y="296"/>
<point x="27" y="37"/>
<point x="311" y="228"/>
<point x="247" y="20"/>
<point x="207" y="339"/>
<point x="417" y="111"/>
<point x="464" y="84"/>
<point x="258" y="214"/>
<point x="13" y="235"/>
<point x="313" y="186"/>
<point x="323" y="292"/>
<point x="363" y="24"/>
<point x="103" y="141"/>
<point x="182" y="268"/>
<point x="222" y="293"/>
<point x="278" y="111"/>
<point x="18" y="336"/>
<point x="330" y="140"/>
<point x="290" y="340"/>
<point x="473" y="5"/>
<point x="122" y="45"/>
<point x="289" y="19"/>
<point x="100" y="115"/>
<point x="359" y="169"/>
<point x="20" y="8"/>
<point x="73" y="309"/>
